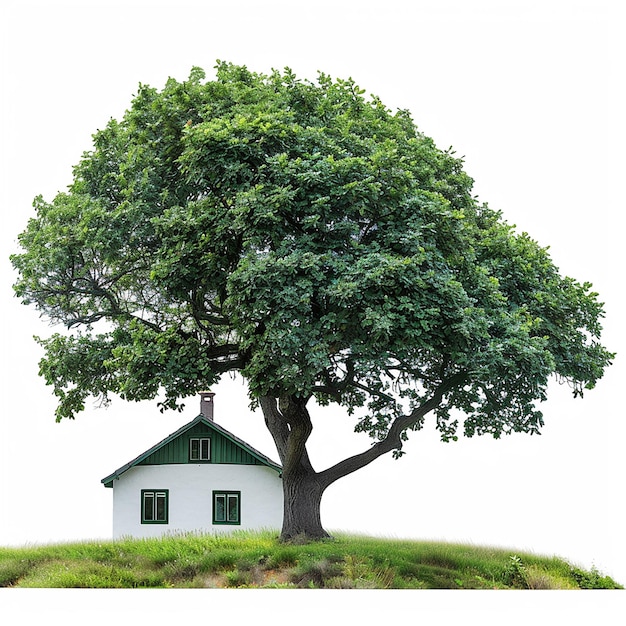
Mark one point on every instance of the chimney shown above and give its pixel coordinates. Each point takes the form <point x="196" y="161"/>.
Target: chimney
<point x="206" y="404"/>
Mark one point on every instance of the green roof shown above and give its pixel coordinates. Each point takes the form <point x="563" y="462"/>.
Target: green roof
<point x="226" y="448"/>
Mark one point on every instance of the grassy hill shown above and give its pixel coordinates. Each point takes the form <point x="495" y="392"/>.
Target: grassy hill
<point x="258" y="560"/>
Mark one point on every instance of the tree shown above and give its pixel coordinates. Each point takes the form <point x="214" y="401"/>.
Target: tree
<point x="317" y="243"/>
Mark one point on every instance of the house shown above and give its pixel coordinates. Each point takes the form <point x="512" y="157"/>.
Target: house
<point x="200" y="479"/>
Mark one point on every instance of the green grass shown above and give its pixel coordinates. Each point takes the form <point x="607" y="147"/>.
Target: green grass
<point x="246" y="559"/>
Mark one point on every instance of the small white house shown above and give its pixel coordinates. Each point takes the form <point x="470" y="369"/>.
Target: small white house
<point x="199" y="479"/>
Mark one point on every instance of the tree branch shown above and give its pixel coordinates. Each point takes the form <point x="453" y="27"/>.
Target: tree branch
<point x="393" y="440"/>
<point x="276" y="424"/>
<point x="290" y="426"/>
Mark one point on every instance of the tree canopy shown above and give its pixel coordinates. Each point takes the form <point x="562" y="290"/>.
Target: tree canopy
<point x="311" y="239"/>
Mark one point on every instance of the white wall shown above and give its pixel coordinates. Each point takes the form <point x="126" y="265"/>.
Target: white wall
<point x="190" y="494"/>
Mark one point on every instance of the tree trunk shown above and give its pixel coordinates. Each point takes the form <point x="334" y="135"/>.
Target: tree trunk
<point x="302" y="500"/>
<point x="289" y="422"/>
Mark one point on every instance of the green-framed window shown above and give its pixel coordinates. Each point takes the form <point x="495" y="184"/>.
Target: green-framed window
<point x="200" y="449"/>
<point x="154" y="506"/>
<point x="227" y="507"/>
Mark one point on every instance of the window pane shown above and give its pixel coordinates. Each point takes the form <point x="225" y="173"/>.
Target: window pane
<point x="161" y="507"/>
<point x="233" y="508"/>
<point x="194" y="449"/>
<point x="204" y="455"/>
<point x="148" y="507"/>
<point x="220" y="507"/>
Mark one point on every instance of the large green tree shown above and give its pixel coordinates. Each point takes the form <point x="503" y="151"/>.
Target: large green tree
<point x="314" y="241"/>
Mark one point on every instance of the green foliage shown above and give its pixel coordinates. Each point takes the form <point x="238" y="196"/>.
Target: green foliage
<point x="593" y="579"/>
<point x="515" y="573"/>
<point x="247" y="559"/>
<point x="309" y="238"/>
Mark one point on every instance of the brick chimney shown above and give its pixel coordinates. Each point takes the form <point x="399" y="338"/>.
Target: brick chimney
<point x="206" y="404"/>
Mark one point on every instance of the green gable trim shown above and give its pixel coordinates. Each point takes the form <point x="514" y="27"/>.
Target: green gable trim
<point x="174" y="449"/>
<point x="223" y="449"/>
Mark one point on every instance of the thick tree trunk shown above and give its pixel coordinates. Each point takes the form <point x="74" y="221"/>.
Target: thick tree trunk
<point x="301" y="518"/>
<point x="289" y="423"/>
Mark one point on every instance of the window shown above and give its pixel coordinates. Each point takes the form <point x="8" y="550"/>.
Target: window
<point x="199" y="449"/>
<point x="154" y="506"/>
<point x="226" y="507"/>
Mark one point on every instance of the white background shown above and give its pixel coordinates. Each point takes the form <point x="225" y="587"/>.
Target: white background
<point x="529" y="92"/>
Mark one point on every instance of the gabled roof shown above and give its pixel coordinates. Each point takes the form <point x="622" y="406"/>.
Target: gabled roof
<point x="201" y="419"/>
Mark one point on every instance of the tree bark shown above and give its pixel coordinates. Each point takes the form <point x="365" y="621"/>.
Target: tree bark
<point x="302" y="501"/>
